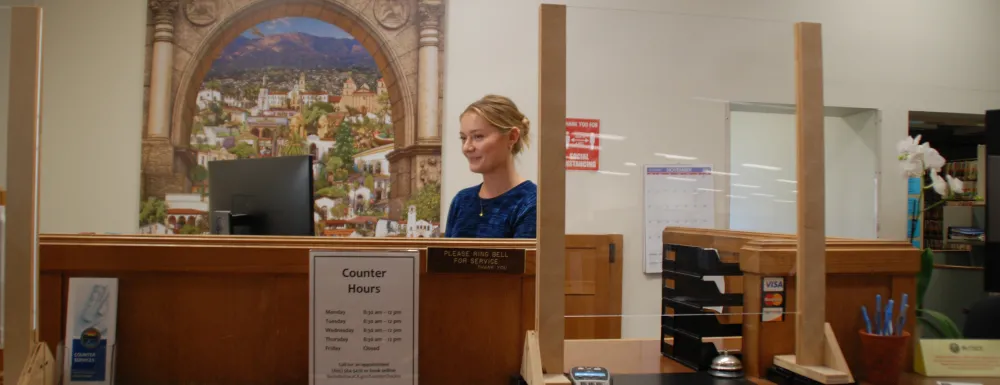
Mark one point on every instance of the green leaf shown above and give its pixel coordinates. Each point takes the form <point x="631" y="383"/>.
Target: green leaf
<point x="924" y="276"/>
<point x="948" y="327"/>
<point x="931" y="325"/>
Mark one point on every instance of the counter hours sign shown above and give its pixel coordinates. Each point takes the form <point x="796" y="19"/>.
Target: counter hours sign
<point x="363" y="317"/>
<point x="583" y="144"/>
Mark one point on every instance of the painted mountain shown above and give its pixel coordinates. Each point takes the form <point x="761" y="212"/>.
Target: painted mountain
<point x="292" y="50"/>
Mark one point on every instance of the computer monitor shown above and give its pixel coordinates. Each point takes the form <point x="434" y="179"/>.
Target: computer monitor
<point x="991" y="264"/>
<point x="265" y="196"/>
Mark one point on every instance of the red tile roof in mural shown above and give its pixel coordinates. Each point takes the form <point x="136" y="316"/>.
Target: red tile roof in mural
<point x="185" y="212"/>
<point x="360" y="220"/>
<point x="338" y="232"/>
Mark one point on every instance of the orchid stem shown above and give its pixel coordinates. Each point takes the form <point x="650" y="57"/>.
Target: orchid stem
<point x="936" y="204"/>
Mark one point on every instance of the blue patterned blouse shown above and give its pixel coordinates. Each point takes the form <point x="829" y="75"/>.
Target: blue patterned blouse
<point x="509" y="215"/>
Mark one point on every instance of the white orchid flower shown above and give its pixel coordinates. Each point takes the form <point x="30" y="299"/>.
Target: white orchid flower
<point x="908" y="145"/>
<point x="955" y="184"/>
<point x="932" y="159"/>
<point x="912" y="168"/>
<point x="938" y="183"/>
<point x="915" y="157"/>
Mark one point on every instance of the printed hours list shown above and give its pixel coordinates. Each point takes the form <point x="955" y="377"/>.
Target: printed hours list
<point x="365" y="320"/>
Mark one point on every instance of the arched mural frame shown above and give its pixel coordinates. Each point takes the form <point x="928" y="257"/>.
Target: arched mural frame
<point x="352" y="21"/>
<point x="402" y="36"/>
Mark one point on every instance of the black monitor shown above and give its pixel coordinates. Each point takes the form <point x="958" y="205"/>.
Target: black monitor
<point x="991" y="264"/>
<point x="265" y="196"/>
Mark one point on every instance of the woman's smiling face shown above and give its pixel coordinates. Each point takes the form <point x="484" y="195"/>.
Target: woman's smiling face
<point x="485" y="146"/>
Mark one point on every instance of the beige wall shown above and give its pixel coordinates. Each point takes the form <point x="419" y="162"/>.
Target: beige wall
<point x="91" y="114"/>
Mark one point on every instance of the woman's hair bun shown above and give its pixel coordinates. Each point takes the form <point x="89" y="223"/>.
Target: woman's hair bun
<point x="502" y="113"/>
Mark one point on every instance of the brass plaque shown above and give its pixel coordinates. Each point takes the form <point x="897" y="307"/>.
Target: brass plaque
<point x="472" y="260"/>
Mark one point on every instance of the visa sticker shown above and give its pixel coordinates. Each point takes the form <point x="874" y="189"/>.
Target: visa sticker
<point x="774" y="284"/>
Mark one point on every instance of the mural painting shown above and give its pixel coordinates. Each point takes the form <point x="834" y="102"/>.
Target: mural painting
<point x="278" y="78"/>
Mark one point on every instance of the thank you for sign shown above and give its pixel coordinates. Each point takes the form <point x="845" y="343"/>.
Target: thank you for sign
<point x="583" y="144"/>
<point x="363" y="317"/>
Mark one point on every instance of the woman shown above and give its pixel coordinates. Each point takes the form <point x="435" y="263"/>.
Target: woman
<point x="503" y="206"/>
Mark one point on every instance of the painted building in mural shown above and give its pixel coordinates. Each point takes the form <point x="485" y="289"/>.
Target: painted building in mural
<point x="295" y="86"/>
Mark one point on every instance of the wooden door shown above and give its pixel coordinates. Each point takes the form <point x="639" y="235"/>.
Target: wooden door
<point x="593" y="286"/>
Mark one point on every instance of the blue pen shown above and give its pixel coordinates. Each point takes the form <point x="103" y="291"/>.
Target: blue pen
<point x="878" y="314"/>
<point x="902" y="314"/>
<point x="902" y="317"/>
<point x="887" y="325"/>
<point x="868" y="322"/>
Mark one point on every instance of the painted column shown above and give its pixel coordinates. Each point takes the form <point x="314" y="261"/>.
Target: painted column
<point x="428" y="86"/>
<point x="158" y="123"/>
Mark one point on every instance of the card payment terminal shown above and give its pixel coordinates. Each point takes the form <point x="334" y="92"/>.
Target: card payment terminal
<point x="588" y="375"/>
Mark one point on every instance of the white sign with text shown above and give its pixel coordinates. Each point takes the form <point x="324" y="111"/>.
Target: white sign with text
<point x="363" y="308"/>
<point x="91" y="329"/>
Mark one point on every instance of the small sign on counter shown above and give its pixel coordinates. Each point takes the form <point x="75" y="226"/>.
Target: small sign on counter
<point x="471" y="260"/>
<point x="91" y="325"/>
<point x="958" y="358"/>
<point x="363" y="317"/>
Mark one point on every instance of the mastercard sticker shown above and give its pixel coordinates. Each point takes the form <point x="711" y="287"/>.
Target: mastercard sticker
<point x="773" y="299"/>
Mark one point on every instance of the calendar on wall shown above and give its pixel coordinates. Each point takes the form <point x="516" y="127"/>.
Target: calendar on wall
<point x="674" y="195"/>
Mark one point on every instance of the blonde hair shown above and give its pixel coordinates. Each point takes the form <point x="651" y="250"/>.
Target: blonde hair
<point x="502" y="113"/>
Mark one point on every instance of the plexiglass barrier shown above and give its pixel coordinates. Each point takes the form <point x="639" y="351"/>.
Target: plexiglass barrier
<point x="688" y="123"/>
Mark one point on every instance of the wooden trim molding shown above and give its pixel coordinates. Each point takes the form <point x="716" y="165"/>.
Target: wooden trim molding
<point x="159" y="253"/>
<point x="277" y="241"/>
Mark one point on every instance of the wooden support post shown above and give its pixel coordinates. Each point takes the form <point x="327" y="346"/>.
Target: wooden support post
<point x="817" y="353"/>
<point x="21" y="230"/>
<point x="810" y="270"/>
<point x="551" y="232"/>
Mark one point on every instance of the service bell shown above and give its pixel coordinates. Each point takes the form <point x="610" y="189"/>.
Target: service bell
<point x="726" y="365"/>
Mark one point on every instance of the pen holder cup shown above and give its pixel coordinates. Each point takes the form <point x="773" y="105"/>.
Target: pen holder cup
<point x="882" y="357"/>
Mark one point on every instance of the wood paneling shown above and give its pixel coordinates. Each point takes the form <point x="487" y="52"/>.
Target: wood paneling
<point x="593" y="286"/>
<point x="235" y="309"/>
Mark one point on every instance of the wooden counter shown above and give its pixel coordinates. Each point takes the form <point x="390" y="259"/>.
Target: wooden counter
<point x="640" y="356"/>
<point x="856" y="270"/>
<point x="196" y="309"/>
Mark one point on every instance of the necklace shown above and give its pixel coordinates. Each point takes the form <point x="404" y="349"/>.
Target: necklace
<point x="481" y="209"/>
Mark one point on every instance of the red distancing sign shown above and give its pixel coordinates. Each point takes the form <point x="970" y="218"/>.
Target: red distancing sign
<point x="583" y="144"/>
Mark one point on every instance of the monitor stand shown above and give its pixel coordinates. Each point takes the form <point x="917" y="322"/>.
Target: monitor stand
<point x="227" y="223"/>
